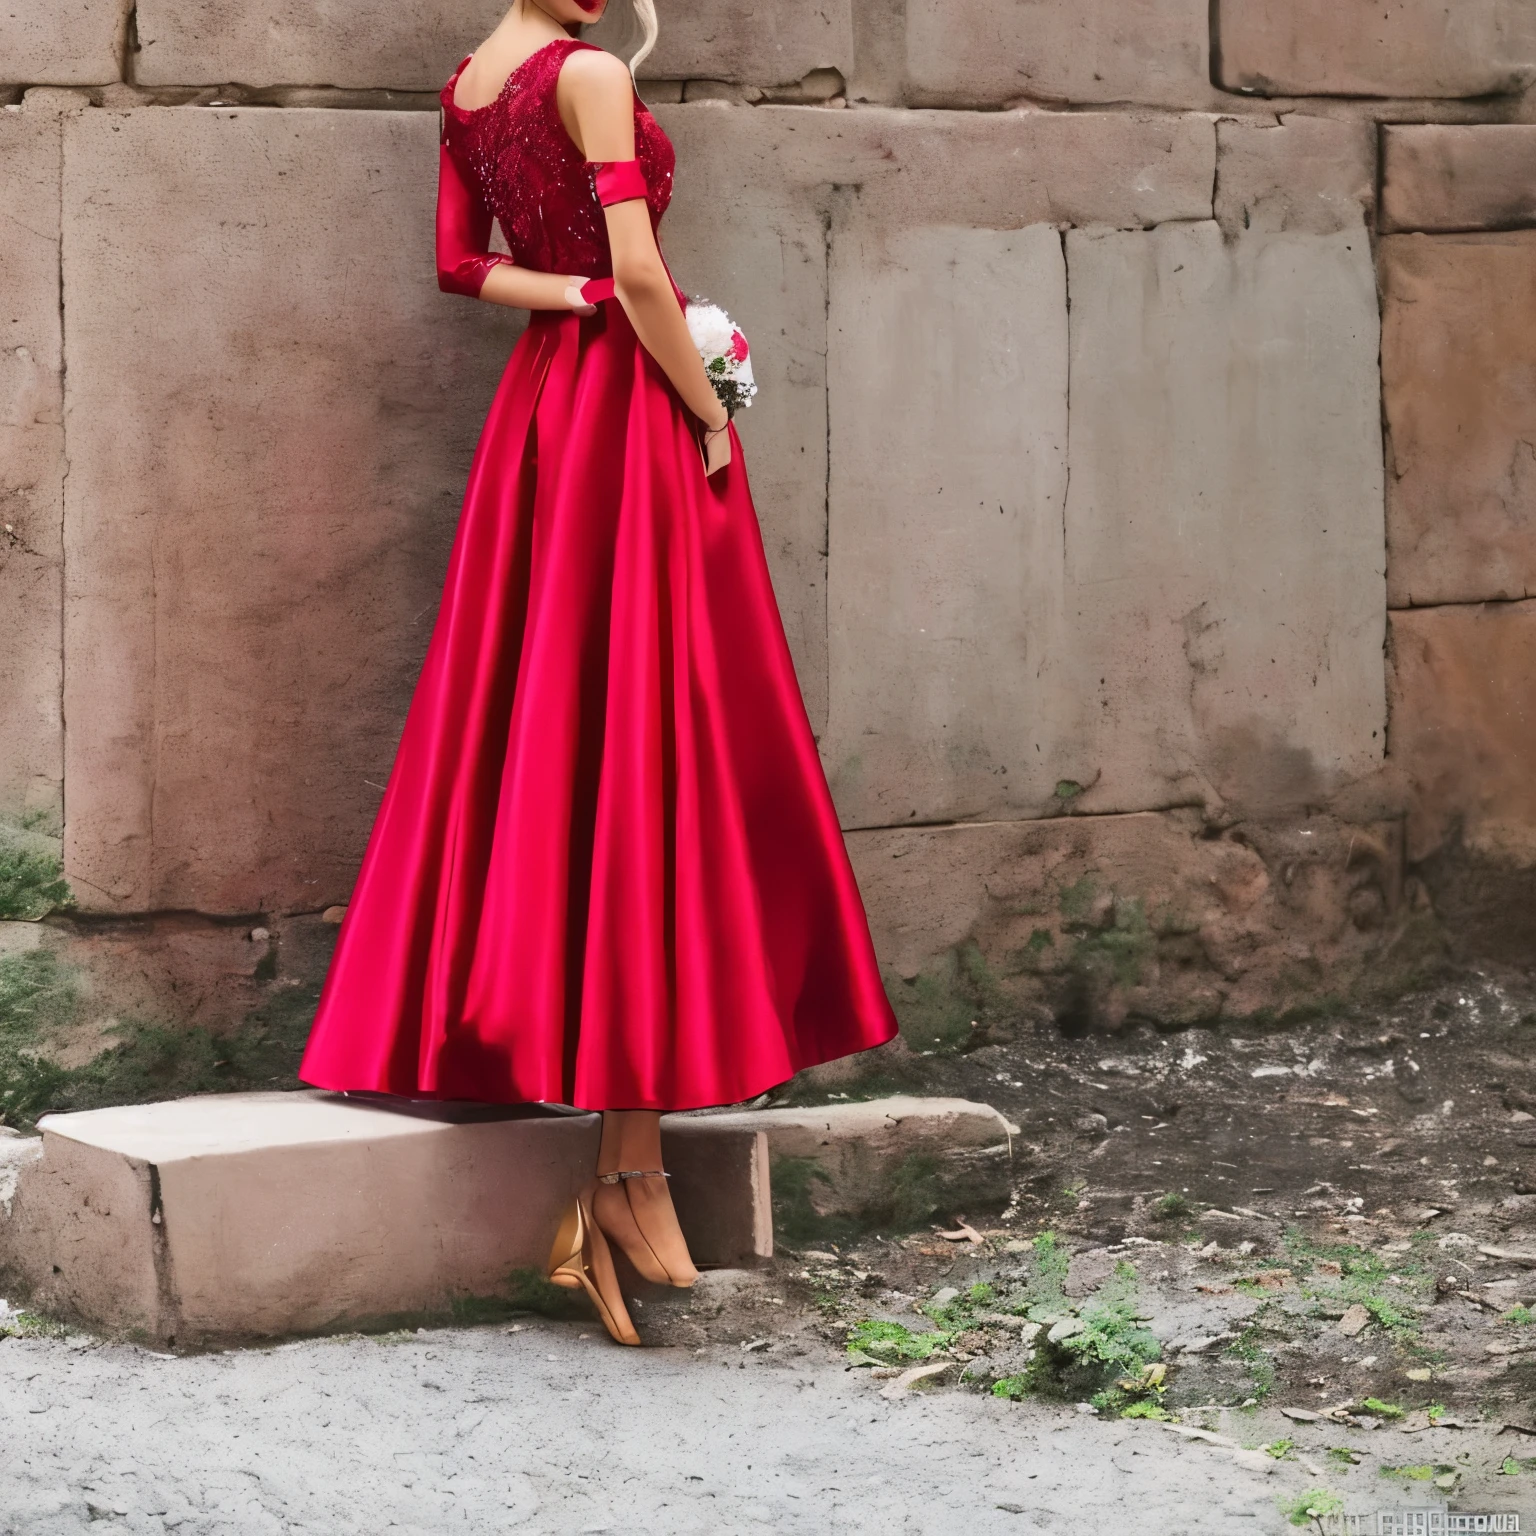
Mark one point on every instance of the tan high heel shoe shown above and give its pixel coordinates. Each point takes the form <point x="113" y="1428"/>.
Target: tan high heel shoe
<point x="580" y="1260"/>
<point x="639" y="1250"/>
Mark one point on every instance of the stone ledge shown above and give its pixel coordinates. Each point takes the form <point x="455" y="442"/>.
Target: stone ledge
<point x="860" y="1162"/>
<point x="257" y="1215"/>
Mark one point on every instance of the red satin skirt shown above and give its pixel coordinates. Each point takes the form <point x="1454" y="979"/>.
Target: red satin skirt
<point x="607" y="871"/>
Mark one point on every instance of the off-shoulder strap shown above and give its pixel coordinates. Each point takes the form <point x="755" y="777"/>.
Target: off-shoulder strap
<point x="618" y="181"/>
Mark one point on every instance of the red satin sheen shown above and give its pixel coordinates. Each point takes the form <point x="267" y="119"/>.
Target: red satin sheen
<point x="463" y="231"/>
<point x="618" y="181"/>
<point x="607" y="870"/>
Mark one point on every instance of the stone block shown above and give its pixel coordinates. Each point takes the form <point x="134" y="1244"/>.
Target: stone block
<point x="897" y="1159"/>
<point x="1463" y="731"/>
<point x="256" y="1215"/>
<point x="63" y="42"/>
<point x="1396" y="48"/>
<point x="1440" y="177"/>
<point x="988" y="170"/>
<point x="271" y="413"/>
<point x="765" y="44"/>
<point x="1316" y="175"/>
<point x="721" y="1188"/>
<point x="1088" y="921"/>
<point x="1223" y="529"/>
<point x="31" y="461"/>
<point x="980" y="53"/>
<point x="363" y="44"/>
<point x="1459" y="332"/>
<point x="1203" y="621"/>
<point x="949" y="473"/>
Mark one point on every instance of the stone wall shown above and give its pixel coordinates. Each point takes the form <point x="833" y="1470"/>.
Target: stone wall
<point x="1143" y="452"/>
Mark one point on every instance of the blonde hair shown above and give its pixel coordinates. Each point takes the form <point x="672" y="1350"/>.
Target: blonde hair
<point x="650" y="28"/>
<point x="622" y="27"/>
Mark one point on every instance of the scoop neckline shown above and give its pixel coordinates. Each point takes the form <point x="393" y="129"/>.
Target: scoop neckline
<point x="512" y="75"/>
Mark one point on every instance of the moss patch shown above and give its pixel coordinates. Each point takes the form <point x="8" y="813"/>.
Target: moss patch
<point x="32" y="880"/>
<point x="40" y="998"/>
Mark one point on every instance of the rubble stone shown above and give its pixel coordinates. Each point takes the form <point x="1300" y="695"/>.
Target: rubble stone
<point x="1090" y="919"/>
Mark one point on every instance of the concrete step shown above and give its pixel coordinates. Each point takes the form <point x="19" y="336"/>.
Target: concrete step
<point x="256" y="1215"/>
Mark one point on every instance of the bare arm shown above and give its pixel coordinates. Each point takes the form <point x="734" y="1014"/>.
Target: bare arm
<point x="465" y="262"/>
<point x="600" y="96"/>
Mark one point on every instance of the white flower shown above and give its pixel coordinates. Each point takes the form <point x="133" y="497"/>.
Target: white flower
<point x="711" y="329"/>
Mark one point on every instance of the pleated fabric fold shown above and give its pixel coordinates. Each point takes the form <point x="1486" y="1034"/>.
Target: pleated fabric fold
<point x="607" y="870"/>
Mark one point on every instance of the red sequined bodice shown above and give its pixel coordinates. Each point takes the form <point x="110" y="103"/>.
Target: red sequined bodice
<point x="516" y="153"/>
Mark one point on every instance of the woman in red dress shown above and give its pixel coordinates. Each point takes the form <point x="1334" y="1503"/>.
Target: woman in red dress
<point x="607" y="871"/>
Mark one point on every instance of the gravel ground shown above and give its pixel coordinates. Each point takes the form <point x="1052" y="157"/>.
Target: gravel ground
<point x="1318" y="1218"/>
<point x="549" y="1430"/>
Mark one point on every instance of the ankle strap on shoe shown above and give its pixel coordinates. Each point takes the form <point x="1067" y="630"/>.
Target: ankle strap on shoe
<point x="632" y="1173"/>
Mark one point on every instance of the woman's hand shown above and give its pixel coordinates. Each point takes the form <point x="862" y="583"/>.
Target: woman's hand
<point x="717" y="447"/>
<point x="573" y="298"/>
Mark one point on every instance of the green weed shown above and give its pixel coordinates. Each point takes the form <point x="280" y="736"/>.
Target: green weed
<point x="31" y="1325"/>
<point x="1311" y="1506"/>
<point x="894" y="1343"/>
<point x="1380" y="1409"/>
<point x="32" y="880"/>
<point x="39" y="997"/>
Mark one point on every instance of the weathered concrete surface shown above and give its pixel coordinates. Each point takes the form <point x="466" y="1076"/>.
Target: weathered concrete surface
<point x="1092" y="920"/>
<point x="948" y="392"/>
<point x="862" y="1160"/>
<point x="1439" y="177"/>
<point x="1464" y="729"/>
<point x="263" y="485"/>
<point x="31" y="461"/>
<point x="1316" y="175"/>
<point x="364" y="43"/>
<point x="977" y="52"/>
<point x="255" y="1215"/>
<point x="1459" y="332"/>
<point x="1395" y="48"/>
<point x="63" y="42"/>
<point x="1224" y="521"/>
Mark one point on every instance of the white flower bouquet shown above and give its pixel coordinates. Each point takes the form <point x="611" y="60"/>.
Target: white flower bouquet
<point x="723" y="348"/>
